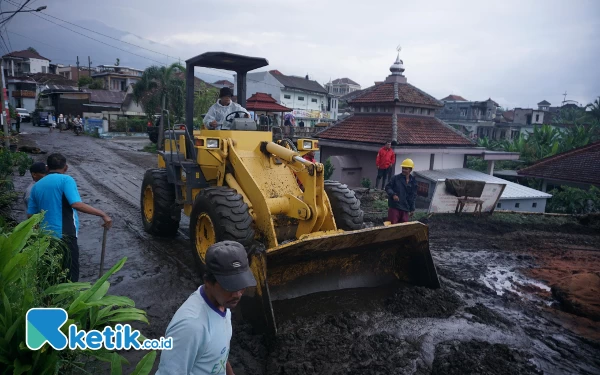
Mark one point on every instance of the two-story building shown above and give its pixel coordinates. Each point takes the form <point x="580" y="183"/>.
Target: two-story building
<point x="341" y="86"/>
<point x="309" y="100"/>
<point x="473" y="118"/>
<point x="116" y="77"/>
<point x="16" y="67"/>
<point x="72" y="72"/>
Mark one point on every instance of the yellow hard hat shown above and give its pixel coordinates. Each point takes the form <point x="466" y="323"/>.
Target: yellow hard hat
<point x="408" y="163"/>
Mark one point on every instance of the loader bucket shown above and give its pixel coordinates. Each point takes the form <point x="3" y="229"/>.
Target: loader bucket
<point x="330" y="261"/>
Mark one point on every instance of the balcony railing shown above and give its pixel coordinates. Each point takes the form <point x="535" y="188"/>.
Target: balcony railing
<point x="23" y="94"/>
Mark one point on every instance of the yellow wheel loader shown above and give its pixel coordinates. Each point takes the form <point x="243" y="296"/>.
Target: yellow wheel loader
<point x="237" y="184"/>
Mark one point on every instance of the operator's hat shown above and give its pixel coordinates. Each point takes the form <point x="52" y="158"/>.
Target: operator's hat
<point x="225" y="91"/>
<point x="228" y="262"/>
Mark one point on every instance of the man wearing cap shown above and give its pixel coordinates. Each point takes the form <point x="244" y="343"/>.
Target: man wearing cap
<point x="201" y="327"/>
<point x="402" y="194"/>
<point x="37" y="170"/>
<point x="215" y="117"/>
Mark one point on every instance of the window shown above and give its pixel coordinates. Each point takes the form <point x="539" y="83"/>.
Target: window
<point x="450" y="107"/>
<point x="537" y="118"/>
<point x="517" y="205"/>
<point x="301" y="98"/>
<point x="463" y="112"/>
<point x="286" y="96"/>
<point x="514" y="134"/>
<point x="417" y="111"/>
<point x="499" y="205"/>
<point x="422" y="189"/>
<point x="44" y="69"/>
<point x="313" y="100"/>
<point x="534" y="205"/>
<point x="402" y="109"/>
<point x="409" y="109"/>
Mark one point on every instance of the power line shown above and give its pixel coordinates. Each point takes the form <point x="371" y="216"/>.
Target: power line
<point x="6" y="29"/>
<point x="108" y="36"/>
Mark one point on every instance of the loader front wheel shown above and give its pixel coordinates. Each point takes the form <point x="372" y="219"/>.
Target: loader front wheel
<point x="160" y="215"/>
<point x="345" y="206"/>
<point x="218" y="214"/>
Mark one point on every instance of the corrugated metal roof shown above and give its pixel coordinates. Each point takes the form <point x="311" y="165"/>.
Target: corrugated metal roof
<point x="512" y="190"/>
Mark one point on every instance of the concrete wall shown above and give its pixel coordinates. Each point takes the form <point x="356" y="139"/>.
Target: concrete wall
<point x="366" y="161"/>
<point x="525" y="205"/>
<point x="291" y="99"/>
<point x="537" y="117"/>
<point x="35" y="65"/>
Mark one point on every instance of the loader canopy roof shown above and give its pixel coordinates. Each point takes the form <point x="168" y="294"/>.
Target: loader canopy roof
<point x="228" y="61"/>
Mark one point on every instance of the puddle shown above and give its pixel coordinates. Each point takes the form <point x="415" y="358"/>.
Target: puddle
<point x="502" y="279"/>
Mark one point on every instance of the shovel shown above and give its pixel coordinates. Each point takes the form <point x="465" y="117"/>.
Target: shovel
<point x="103" y="251"/>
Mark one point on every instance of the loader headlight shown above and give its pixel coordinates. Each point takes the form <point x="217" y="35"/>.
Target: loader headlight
<point x="212" y="143"/>
<point x="306" y="144"/>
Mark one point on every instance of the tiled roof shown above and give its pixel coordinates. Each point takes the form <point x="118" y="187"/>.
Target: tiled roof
<point x="299" y="83"/>
<point x="544" y="102"/>
<point x="264" y="102"/>
<point x="26" y="54"/>
<point x="509" y="115"/>
<point x="344" y="81"/>
<point x="407" y="93"/>
<point x="578" y="165"/>
<point x="412" y="130"/>
<point x="454" y="98"/>
<point x="106" y="96"/>
<point x="224" y="82"/>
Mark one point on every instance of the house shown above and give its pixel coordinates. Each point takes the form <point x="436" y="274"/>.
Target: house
<point x="223" y="83"/>
<point x="72" y="72"/>
<point x="579" y="167"/>
<point x="309" y="100"/>
<point x="19" y="63"/>
<point x="116" y="77"/>
<point x="477" y="119"/>
<point x="394" y="110"/>
<point x="341" y="86"/>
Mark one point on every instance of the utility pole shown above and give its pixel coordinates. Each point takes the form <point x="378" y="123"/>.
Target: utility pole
<point x="565" y="99"/>
<point x="78" y="85"/>
<point x="89" y="68"/>
<point x="3" y="118"/>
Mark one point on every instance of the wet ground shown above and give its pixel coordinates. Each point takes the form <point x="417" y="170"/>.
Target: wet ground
<point x="515" y="295"/>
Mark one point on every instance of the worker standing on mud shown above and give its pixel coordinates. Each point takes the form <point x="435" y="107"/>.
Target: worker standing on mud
<point x="57" y="195"/>
<point x="385" y="163"/>
<point x="201" y="328"/>
<point x="215" y="117"/>
<point x="402" y="194"/>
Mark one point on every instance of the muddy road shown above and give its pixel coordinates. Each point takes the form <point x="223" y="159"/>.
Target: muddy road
<point x="496" y="313"/>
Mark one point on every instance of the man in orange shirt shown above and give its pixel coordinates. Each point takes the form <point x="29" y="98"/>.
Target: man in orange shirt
<point x="385" y="164"/>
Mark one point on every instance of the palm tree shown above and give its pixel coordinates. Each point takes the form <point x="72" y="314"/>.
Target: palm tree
<point x="594" y="109"/>
<point x="160" y="88"/>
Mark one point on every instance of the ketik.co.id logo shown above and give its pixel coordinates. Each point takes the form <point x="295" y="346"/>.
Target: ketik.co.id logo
<point x="44" y="324"/>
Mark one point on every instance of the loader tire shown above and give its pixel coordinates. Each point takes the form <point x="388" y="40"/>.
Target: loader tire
<point x="345" y="206"/>
<point x="160" y="213"/>
<point x="219" y="214"/>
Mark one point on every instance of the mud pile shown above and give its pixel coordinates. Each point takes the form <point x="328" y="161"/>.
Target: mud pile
<point x="340" y="344"/>
<point x="482" y="314"/>
<point x="420" y="302"/>
<point x="578" y="294"/>
<point x="482" y="358"/>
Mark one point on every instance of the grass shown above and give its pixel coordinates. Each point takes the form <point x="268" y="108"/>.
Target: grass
<point x="151" y="148"/>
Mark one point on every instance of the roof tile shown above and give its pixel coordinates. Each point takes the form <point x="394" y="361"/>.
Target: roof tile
<point x="264" y="102"/>
<point x="407" y="93"/>
<point x="412" y="130"/>
<point x="26" y="54"/>
<point x="578" y="165"/>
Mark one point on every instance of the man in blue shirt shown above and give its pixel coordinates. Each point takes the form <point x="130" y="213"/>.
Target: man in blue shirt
<point x="201" y="328"/>
<point x="57" y="195"/>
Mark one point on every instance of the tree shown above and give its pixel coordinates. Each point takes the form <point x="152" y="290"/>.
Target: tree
<point x="84" y="81"/>
<point x="159" y="89"/>
<point x="205" y="97"/>
<point x="117" y="62"/>
<point x="594" y="109"/>
<point x="97" y="84"/>
<point x="31" y="49"/>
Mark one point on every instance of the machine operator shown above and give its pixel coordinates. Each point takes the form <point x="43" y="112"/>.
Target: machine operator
<point x="215" y="117"/>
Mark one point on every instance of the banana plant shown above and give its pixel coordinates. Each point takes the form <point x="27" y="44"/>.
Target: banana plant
<point x="28" y="263"/>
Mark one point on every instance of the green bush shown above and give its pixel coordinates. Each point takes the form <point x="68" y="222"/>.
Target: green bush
<point x="32" y="276"/>
<point x="571" y="200"/>
<point x="131" y="125"/>
<point x="380" y="205"/>
<point x="329" y="168"/>
<point x="366" y="182"/>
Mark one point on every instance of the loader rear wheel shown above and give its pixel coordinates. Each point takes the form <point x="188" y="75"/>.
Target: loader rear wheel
<point x="345" y="206"/>
<point x="218" y="214"/>
<point x="160" y="214"/>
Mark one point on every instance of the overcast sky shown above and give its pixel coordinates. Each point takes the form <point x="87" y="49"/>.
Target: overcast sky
<point x="516" y="52"/>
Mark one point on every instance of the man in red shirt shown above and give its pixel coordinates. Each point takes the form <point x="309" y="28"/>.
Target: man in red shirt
<point x="385" y="164"/>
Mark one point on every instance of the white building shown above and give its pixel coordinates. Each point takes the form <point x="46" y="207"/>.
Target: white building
<point x="116" y="77"/>
<point x="308" y="99"/>
<point x="16" y="66"/>
<point x="341" y="86"/>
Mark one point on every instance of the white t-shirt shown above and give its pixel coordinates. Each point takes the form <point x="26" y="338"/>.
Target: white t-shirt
<point x="201" y="336"/>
